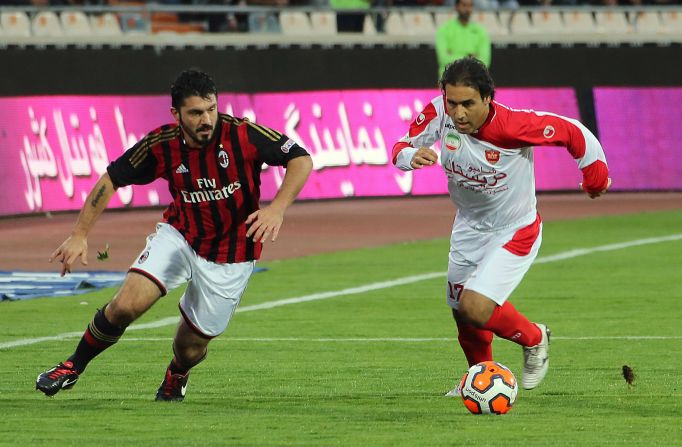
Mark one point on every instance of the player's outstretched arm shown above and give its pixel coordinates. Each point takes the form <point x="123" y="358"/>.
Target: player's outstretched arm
<point x="76" y="245"/>
<point x="268" y="220"/>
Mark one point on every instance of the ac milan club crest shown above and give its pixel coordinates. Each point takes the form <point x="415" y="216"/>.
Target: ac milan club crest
<point x="223" y="160"/>
<point x="492" y="156"/>
<point x="144" y="257"/>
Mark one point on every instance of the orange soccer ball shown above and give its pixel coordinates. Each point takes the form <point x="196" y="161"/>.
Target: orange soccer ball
<point x="489" y="388"/>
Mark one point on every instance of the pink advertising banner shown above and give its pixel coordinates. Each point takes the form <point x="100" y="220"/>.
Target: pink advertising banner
<point x="54" y="148"/>
<point x="641" y="130"/>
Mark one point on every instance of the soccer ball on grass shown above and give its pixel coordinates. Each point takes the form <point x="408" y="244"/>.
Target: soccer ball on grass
<point x="489" y="388"/>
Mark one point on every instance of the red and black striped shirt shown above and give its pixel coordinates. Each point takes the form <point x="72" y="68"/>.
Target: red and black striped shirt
<point x="214" y="188"/>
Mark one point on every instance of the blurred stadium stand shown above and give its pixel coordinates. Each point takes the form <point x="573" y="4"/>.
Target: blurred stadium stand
<point x="119" y="22"/>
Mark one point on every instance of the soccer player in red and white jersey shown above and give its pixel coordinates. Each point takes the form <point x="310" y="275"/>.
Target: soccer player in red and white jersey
<point x="487" y="155"/>
<point x="211" y="234"/>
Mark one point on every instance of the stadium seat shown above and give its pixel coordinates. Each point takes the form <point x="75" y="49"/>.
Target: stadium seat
<point x="491" y="23"/>
<point x="46" y="24"/>
<point x="648" y="22"/>
<point x="547" y="22"/>
<point x="105" y="25"/>
<point x="672" y="21"/>
<point x="295" y="23"/>
<point x="520" y="24"/>
<point x="579" y="22"/>
<point x="419" y="24"/>
<point x="75" y="23"/>
<point x="323" y="22"/>
<point x="394" y="24"/>
<point x="368" y="26"/>
<point x="441" y="17"/>
<point x="15" y="24"/>
<point x="610" y="22"/>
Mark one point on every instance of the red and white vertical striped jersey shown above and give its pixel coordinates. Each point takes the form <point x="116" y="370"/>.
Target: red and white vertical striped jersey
<point x="490" y="172"/>
<point x="214" y="188"/>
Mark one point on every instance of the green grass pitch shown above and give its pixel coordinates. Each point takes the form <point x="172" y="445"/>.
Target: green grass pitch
<point x="369" y="368"/>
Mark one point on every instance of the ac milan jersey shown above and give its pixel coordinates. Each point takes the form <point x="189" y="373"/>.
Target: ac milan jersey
<point x="490" y="172"/>
<point x="214" y="188"/>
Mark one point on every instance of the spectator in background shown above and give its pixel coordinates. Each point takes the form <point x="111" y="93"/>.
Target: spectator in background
<point x="460" y="37"/>
<point x="265" y="22"/>
<point x="349" y="21"/>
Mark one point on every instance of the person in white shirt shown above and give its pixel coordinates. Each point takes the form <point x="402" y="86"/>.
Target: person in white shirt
<point x="487" y="155"/>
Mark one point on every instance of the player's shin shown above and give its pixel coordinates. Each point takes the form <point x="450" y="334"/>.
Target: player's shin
<point x="99" y="335"/>
<point x="476" y="343"/>
<point x="507" y="322"/>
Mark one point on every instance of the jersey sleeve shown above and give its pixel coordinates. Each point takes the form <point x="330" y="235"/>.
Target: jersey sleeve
<point x="138" y="165"/>
<point x="274" y="148"/>
<point x="424" y="131"/>
<point x="532" y="128"/>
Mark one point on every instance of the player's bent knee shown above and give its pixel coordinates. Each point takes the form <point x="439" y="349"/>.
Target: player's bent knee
<point x="475" y="308"/>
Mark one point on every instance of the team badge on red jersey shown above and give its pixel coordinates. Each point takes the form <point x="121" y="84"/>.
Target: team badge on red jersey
<point x="492" y="156"/>
<point x="422" y="120"/>
<point x="548" y="132"/>
<point x="223" y="160"/>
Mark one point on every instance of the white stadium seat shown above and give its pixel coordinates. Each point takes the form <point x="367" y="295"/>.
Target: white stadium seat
<point x="547" y="22"/>
<point x="46" y="24"/>
<point x="520" y="23"/>
<point x="579" y="22"/>
<point x="15" y="24"/>
<point x="441" y="17"/>
<point x="75" y="23"/>
<point x="648" y="22"/>
<point x="394" y="24"/>
<point x="419" y="24"/>
<point x="491" y="23"/>
<point x="368" y="27"/>
<point x="105" y="25"/>
<point x="672" y="21"/>
<point x="612" y="22"/>
<point x="323" y="22"/>
<point x="295" y="23"/>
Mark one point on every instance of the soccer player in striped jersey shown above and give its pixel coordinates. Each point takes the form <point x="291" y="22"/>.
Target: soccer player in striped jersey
<point x="210" y="236"/>
<point x="487" y="155"/>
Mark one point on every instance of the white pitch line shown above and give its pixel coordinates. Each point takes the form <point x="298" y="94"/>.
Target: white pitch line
<point x="362" y="289"/>
<point x="406" y="340"/>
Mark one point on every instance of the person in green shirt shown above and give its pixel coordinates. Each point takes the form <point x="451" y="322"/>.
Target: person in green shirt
<point x="460" y="37"/>
<point x="349" y="21"/>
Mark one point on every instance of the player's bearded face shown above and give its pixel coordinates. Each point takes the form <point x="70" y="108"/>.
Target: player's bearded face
<point x="198" y="117"/>
<point x="466" y="108"/>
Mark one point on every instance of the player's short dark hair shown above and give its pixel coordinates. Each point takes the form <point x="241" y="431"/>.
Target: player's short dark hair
<point x="470" y="72"/>
<point x="191" y="83"/>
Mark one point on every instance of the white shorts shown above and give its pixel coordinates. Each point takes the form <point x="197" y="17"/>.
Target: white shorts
<point x="490" y="263"/>
<point x="214" y="290"/>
